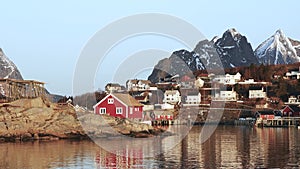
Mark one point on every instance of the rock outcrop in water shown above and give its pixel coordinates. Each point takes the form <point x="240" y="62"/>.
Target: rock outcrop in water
<point x="30" y="119"/>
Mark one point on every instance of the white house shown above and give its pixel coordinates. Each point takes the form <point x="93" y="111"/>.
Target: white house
<point x="113" y="87"/>
<point x="293" y="74"/>
<point x="138" y="85"/>
<point x="293" y="100"/>
<point x="228" y="95"/>
<point x="172" y="97"/>
<point x="228" y="79"/>
<point x="257" y="93"/>
<point x="193" y="99"/>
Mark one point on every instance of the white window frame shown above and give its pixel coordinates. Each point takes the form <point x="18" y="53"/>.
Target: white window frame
<point x="110" y="101"/>
<point x="100" y="110"/>
<point x="119" y="110"/>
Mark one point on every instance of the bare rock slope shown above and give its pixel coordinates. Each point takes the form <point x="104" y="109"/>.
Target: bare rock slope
<point x="29" y="119"/>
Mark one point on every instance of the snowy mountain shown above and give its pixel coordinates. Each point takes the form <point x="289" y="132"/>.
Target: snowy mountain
<point x="231" y="50"/>
<point x="296" y="45"/>
<point x="7" y="68"/>
<point x="278" y="49"/>
<point x="234" y="50"/>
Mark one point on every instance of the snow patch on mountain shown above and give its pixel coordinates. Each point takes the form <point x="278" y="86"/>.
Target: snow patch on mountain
<point x="8" y="68"/>
<point x="233" y="32"/>
<point x="234" y="49"/>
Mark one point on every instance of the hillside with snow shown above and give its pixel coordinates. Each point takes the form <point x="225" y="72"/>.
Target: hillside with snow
<point x="234" y="49"/>
<point x="278" y="49"/>
<point x="231" y="50"/>
<point x="7" y="68"/>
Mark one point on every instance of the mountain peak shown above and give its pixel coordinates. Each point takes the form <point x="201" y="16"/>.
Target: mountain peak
<point x="234" y="49"/>
<point x="279" y="32"/>
<point x="278" y="49"/>
<point x="233" y="32"/>
<point x="214" y="39"/>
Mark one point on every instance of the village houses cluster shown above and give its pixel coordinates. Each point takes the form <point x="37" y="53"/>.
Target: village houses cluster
<point x="141" y="96"/>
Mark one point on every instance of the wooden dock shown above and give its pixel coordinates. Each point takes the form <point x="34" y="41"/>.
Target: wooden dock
<point x="280" y="122"/>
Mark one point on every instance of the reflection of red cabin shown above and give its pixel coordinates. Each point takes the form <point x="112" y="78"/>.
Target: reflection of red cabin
<point x="129" y="158"/>
<point x="265" y="115"/>
<point x="119" y="105"/>
<point x="185" y="78"/>
<point x="291" y="111"/>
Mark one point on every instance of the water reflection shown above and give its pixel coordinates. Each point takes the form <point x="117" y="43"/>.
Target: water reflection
<point x="228" y="147"/>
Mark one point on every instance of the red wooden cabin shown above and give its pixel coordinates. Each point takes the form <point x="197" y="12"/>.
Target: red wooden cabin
<point x="120" y="105"/>
<point x="291" y="111"/>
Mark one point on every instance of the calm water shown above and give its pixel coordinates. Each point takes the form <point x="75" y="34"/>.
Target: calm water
<point x="228" y="147"/>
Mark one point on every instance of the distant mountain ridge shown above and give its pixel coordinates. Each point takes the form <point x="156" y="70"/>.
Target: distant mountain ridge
<point x="7" y="68"/>
<point x="231" y="50"/>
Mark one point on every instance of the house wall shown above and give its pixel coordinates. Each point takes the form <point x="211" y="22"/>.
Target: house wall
<point x="135" y="112"/>
<point x="257" y="94"/>
<point x="228" y="95"/>
<point x="288" y="112"/>
<point x="268" y="116"/>
<point x="193" y="99"/>
<point x="172" y="98"/>
<point x="228" y="79"/>
<point x="111" y="108"/>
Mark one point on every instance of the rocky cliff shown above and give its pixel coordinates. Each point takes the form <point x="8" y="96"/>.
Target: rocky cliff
<point x="29" y="119"/>
<point x="234" y="50"/>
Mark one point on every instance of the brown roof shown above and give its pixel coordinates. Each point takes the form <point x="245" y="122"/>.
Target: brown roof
<point x="145" y="81"/>
<point x="21" y="81"/>
<point x="171" y="91"/>
<point x="127" y="99"/>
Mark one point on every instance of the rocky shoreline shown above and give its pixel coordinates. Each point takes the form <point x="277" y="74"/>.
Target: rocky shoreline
<point x="39" y="119"/>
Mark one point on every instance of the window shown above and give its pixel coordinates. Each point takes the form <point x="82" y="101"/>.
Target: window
<point x="111" y="101"/>
<point x="102" y="111"/>
<point x="136" y="109"/>
<point x="119" y="110"/>
<point x="131" y="110"/>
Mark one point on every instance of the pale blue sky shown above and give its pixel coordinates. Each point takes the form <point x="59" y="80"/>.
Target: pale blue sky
<point x="44" y="39"/>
